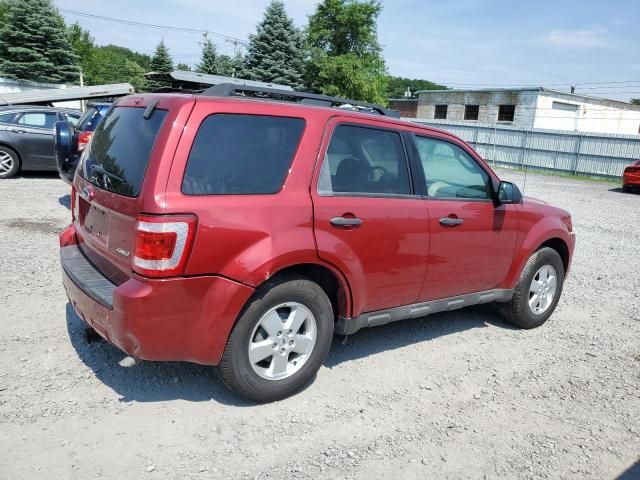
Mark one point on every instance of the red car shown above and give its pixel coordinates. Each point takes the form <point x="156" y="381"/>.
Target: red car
<point x="244" y="232"/>
<point x="631" y="177"/>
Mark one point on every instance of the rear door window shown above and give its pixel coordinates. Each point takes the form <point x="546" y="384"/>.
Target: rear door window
<point x="241" y="154"/>
<point x="364" y="160"/>
<point x="38" y="119"/>
<point x="7" y="117"/>
<point x="119" y="151"/>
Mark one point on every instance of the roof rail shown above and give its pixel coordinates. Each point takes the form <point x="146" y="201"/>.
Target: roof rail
<point x="256" y="91"/>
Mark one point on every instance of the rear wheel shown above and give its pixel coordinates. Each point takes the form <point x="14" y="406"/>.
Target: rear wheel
<point x="279" y="341"/>
<point x="538" y="290"/>
<point x="9" y="162"/>
<point x="626" y="188"/>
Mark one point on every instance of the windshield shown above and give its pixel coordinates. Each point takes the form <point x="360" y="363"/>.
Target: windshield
<point x="118" y="154"/>
<point x="89" y="120"/>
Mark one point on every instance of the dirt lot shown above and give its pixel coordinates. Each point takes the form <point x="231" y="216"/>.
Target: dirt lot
<point x="456" y="395"/>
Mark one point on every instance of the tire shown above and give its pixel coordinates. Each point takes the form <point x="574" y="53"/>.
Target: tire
<point x="518" y="311"/>
<point x="276" y="301"/>
<point x="9" y="162"/>
<point x="626" y="188"/>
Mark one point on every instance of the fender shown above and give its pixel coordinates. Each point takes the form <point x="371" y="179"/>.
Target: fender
<point x="547" y="228"/>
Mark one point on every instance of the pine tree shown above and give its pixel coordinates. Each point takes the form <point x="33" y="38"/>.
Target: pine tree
<point x="275" y="52"/>
<point x="161" y="60"/>
<point x="183" y="66"/>
<point x="34" y="44"/>
<point x="208" y="60"/>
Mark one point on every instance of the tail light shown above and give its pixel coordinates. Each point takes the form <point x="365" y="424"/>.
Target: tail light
<point x="83" y="139"/>
<point x="632" y="169"/>
<point x="163" y="244"/>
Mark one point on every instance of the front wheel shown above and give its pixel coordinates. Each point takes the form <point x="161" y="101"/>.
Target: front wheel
<point x="538" y="290"/>
<point x="280" y="340"/>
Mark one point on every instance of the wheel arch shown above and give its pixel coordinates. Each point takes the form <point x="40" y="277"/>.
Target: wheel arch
<point x="560" y="246"/>
<point x="13" y="149"/>
<point x="332" y="282"/>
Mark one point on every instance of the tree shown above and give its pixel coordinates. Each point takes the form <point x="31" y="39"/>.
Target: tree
<point x="83" y="45"/>
<point x="635" y="101"/>
<point x="230" y="66"/>
<point x="208" y="58"/>
<point x="345" y="58"/>
<point x="34" y="44"/>
<point x="183" y="66"/>
<point x="398" y="86"/>
<point x="276" y="51"/>
<point x="161" y="60"/>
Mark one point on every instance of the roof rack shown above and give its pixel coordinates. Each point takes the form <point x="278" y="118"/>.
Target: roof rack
<point x="269" y="93"/>
<point x="51" y="95"/>
<point x="187" y="80"/>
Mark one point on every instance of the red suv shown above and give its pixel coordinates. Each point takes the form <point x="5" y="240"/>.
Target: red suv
<point x="244" y="226"/>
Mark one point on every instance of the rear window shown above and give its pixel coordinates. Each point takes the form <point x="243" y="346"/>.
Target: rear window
<point x="241" y="154"/>
<point x="88" y="120"/>
<point x="119" y="151"/>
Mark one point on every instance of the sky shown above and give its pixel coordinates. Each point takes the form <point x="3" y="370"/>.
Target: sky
<point x="458" y="43"/>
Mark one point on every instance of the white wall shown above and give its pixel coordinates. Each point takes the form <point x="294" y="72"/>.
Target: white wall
<point x="560" y="112"/>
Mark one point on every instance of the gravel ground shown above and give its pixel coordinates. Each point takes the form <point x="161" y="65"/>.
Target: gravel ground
<point x="455" y="395"/>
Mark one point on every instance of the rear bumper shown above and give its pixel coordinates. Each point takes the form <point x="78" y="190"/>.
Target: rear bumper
<point x="180" y="319"/>
<point x="631" y="180"/>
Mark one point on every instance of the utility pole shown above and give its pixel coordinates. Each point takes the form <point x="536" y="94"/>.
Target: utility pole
<point x="82" y="102"/>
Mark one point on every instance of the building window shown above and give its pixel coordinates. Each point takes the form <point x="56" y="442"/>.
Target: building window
<point x="471" y="112"/>
<point x="440" y="113"/>
<point x="506" y="113"/>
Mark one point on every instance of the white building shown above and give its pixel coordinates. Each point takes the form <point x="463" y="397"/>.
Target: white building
<point x="530" y="108"/>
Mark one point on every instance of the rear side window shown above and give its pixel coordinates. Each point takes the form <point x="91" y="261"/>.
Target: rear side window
<point x="38" y="119"/>
<point x="88" y="120"/>
<point x="362" y="160"/>
<point x="241" y="154"/>
<point x="119" y="151"/>
<point x="7" y="117"/>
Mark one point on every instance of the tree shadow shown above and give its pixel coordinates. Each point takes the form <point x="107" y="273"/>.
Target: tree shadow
<point x="147" y="381"/>
<point x="392" y="336"/>
<point x="65" y="201"/>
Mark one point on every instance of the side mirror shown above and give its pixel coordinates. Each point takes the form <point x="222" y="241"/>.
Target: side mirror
<point x="508" y="193"/>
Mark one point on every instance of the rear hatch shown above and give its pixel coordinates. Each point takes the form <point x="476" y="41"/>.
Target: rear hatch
<point x="122" y="174"/>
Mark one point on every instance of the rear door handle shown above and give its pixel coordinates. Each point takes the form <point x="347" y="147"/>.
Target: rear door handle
<point x="16" y="130"/>
<point x="451" y="222"/>
<point x="345" y="222"/>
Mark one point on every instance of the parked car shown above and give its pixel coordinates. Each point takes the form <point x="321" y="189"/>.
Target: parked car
<point x="26" y="137"/>
<point x="631" y="177"/>
<point x="245" y="232"/>
<point x="71" y="138"/>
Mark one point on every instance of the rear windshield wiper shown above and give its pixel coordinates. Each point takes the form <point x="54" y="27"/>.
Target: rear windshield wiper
<point x="99" y="169"/>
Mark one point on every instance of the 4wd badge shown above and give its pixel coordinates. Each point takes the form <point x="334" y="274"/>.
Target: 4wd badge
<point x="123" y="252"/>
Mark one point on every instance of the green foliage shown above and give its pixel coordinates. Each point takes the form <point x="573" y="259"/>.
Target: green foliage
<point x="230" y="66"/>
<point x="34" y="44"/>
<point x="208" y="59"/>
<point x="635" y="101"/>
<point x="276" y="50"/>
<point x="183" y="66"/>
<point x="161" y="60"/>
<point x="344" y="56"/>
<point x="398" y="86"/>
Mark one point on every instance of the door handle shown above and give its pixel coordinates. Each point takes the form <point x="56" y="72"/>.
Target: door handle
<point x="16" y="130"/>
<point x="345" y="222"/>
<point x="451" y="222"/>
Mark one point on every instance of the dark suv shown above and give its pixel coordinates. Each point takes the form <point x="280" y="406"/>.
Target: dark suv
<point x="243" y="231"/>
<point x="71" y="138"/>
<point x="26" y="137"/>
